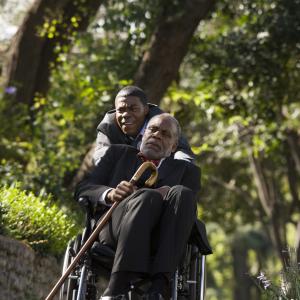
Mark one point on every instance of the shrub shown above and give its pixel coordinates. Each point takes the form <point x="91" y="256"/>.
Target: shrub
<point x="35" y="220"/>
<point x="288" y="288"/>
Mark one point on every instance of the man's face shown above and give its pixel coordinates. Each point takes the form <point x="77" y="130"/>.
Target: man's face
<point x="160" y="138"/>
<point x="130" y="114"/>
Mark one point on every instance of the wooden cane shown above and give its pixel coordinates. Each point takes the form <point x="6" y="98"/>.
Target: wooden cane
<point x="149" y="182"/>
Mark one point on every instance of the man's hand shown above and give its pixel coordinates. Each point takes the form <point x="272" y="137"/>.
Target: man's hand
<point x="123" y="190"/>
<point x="163" y="190"/>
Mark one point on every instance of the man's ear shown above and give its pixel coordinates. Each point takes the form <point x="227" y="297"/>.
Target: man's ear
<point x="174" y="147"/>
<point x="146" y="110"/>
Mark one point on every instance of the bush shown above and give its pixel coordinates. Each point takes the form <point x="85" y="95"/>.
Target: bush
<point x="288" y="287"/>
<point x="34" y="220"/>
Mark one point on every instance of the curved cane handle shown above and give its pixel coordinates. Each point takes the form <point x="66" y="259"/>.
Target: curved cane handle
<point x="143" y="167"/>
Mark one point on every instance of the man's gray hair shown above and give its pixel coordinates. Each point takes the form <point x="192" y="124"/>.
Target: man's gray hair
<point x="174" y="120"/>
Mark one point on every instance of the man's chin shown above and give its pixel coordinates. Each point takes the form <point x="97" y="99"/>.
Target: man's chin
<point x="129" y="131"/>
<point x="151" y="154"/>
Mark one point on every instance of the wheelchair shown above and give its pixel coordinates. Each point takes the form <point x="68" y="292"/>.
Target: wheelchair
<point x="187" y="283"/>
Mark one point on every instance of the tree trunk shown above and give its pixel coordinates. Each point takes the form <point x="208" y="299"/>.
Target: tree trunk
<point x="271" y="204"/>
<point x="293" y="139"/>
<point x="297" y="243"/>
<point x="241" y="273"/>
<point x="28" y="63"/>
<point x="293" y="166"/>
<point x="168" y="46"/>
<point x="261" y="184"/>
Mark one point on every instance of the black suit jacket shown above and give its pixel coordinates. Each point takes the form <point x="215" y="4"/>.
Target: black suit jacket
<point x="120" y="163"/>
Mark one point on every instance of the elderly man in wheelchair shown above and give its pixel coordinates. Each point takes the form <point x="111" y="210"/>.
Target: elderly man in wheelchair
<point x="146" y="238"/>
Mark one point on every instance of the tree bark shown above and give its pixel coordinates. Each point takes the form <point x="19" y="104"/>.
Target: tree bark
<point x="28" y="63"/>
<point x="261" y="184"/>
<point x="272" y="205"/>
<point x="168" y="46"/>
<point x="293" y="180"/>
<point x="297" y="243"/>
<point x="243" y="284"/>
<point x="293" y="139"/>
<point x="293" y="166"/>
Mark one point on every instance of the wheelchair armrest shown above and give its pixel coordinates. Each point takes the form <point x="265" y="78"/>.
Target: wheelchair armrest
<point x="99" y="249"/>
<point x="199" y="238"/>
<point x="103" y="255"/>
<point x="89" y="207"/>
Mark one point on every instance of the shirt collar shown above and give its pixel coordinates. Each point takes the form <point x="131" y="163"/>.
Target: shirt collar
<point x="156" y="162"/>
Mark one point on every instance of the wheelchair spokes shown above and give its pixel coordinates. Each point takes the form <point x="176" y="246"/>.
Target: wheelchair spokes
<point x="68" y="286"/>
<point x="80" y="284"/>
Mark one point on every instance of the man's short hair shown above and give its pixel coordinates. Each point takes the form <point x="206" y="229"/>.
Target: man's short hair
<point x="135" y="91"/>
<point x="174" y="120"/>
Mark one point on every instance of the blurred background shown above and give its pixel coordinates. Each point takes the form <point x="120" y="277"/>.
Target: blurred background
<point x="228" y="70"/>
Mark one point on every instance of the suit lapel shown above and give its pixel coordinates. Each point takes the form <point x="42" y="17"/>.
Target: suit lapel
<point x="167" y="168"/>
<point x="133" y="165"/>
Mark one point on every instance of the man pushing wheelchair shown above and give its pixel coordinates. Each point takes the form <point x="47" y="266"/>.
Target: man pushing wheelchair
<point x="150" y="227"/>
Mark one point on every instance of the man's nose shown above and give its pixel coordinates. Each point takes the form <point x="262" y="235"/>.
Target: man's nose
<point x="125" y="114"/>
<point x="157" y="134"/>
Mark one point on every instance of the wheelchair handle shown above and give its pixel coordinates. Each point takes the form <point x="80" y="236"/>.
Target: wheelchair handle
<point x="152" y="179"/>
<point x="84" y="202"/>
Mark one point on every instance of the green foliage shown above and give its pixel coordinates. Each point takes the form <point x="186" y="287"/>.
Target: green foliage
<point x="238" y="96"/>
<point x="47" y="153"/>
<point x="288" y="287"/>
<point x="219" y="264"/>
<point x="35" y="220"/>
<point x="241" y="98"/>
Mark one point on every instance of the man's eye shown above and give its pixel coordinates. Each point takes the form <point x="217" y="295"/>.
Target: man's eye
<point x="166" y="134"/>
<point x="152" y="129"/>
<point x="134" y="109"/>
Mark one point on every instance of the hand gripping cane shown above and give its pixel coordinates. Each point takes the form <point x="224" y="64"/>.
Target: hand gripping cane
<point x="149" y="182"/>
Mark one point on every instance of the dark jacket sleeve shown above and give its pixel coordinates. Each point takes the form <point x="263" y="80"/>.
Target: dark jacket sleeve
<point x="184" y="150"/>
<point x="96" y="182"/>
<point x="192" y="178"/>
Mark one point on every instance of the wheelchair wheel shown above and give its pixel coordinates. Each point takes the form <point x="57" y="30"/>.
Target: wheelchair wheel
<point x="197" y="276"/>
<point x="190" y="278"/>
<point x="69" y="286"/>
<point x="86" y="282"/>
